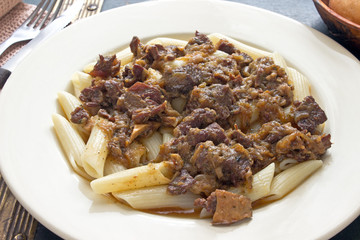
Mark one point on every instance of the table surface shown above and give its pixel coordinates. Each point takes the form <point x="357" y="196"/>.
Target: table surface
<point x="301" y="10"/>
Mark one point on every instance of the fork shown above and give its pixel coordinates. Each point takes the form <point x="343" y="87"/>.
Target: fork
<point x="34" y="23"/>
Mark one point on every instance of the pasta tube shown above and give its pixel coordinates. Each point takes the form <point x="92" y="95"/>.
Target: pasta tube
<point x="152" y="144"/>
<point x="95" y="153"/>
<point x="178" y="104"/>
<point x="167" y="42"/>
<point x="155" y="197"/>
<point x="68" y="103"/>
<point x="72" y="143"/>
<point x="289" y="179"/>
<point x="253" y="52"/>
<point x="112" y="166"/>
<point x="80" y="80"/>
<point x="145" y="176"/>
<point x="125" y="56"/>
<point x="301" y="84"/>
<point x="280" y="61"/>
<point x="260" y="185"/>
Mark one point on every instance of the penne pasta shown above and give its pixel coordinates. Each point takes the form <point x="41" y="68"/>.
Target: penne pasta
<point x="96" y="151"/>
<point x="289" y="179"/>
<point x="152" y="174"/>
<point x="167" y="42"/>
<point x="251" y="51"/>
<point x="280" y="61"/>
<point x="287" y="163"/>
<point x="260" y="185"/>
<point x="72" y="143"/>
<point x="80" y="80"/>
<point x="152" y="144"/>
<point x="155" y="197"/>
<point x="112" y="166"/>
<point x="301" y="84"/>
<point x="125" y="56"/>
<point x="178" y="104"/>
<point x="68" y="103"/>
<point x="89" y="67"/>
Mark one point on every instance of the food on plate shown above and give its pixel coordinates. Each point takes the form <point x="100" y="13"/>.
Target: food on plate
<point x="349" y="9"/>
<point x="211" y="126"/>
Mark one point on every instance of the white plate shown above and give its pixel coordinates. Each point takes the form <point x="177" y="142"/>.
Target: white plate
<point x="37" y="172"/>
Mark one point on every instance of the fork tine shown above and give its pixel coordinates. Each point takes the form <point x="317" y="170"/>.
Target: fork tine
<point x="34" y="23"/>
<point x="34" y="13"/>
<point x="56" y="13"/>
<point x="43" y="22"/>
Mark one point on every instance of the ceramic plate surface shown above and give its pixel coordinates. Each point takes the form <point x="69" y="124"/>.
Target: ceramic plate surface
<point x="37" y="171"/>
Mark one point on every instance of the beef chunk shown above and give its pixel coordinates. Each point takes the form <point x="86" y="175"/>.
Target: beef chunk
<point x="79" y="116"/>
<point x="231" y="165"/>
<point x="106" y="67"/>
<point x="285" y="141"/>
<point x="272" y="132"/>
<point x="181" y="80"/>
<point x="227" y="207"/>
<point x="136" y="47"/>
<point x="308" y="114"/>
<point x="213" y="133"/>
<point x="239" y="137"/>
<point x="302" y="147"/>
<point x="218" y="97"/>
<point x="198" y="118"/>
<point x="226" y="46"/>
<point x="181" y="183"/>
<point x="102" y="94"/>
<point x="143" y="101"/>
<point x="200" y="43"/>
<point x="204" y="184"/>
<point x="209" y="203"/>
<point x="267" y="76"/>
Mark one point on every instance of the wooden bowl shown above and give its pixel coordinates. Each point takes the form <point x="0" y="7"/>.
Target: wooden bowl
<point x="341" y="28"/>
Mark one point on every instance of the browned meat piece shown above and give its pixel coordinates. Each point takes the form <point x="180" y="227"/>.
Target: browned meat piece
<point x="181" y="183"/>
<point x="273" y="131"/>
<point x="200" y="43"/>
<point x="181" y="80"/>
<point x="239" y="137"/>
<point x="217" y="97"/>
<point x="106" y="67"/>
<point x="103" y="94"/>
<point x="261" y="155"/>
<point x="204" y="184"/>
<point x="269" y="109"/>
<point x="198" y="118"/>
<point x="226" y="46"/>
<point x="139" y="73"/>
<point x="302" y="147"/>
<point x="213" y="133"/>
<point x="79" y="116"/>
<point x="285" y="141"/>
<point x="242" y="60"/>
<point x="231" y="207"/>
<point x="265" y="75"/>
<point x="231" y="165"/>
<point x="209" y="203"/>
<point x="308" y="114"/>
<point x="144" y="102"/>
<point x="227" y="207"/>
<point x="136" y="47"/>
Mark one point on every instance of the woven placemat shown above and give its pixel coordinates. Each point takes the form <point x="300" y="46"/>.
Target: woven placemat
<point x="9" y="23"/>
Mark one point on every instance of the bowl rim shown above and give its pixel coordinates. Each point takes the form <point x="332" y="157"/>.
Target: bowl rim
<point x="335" y="14"/>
